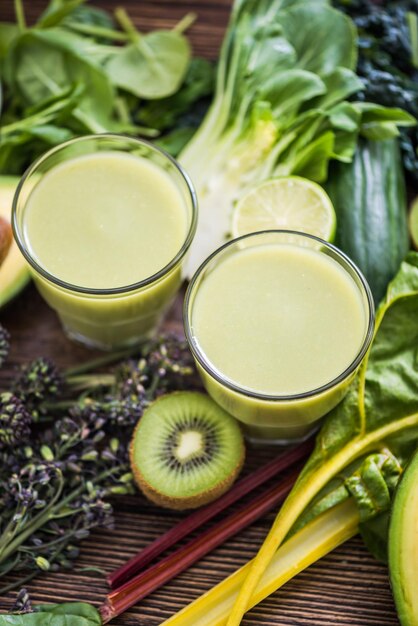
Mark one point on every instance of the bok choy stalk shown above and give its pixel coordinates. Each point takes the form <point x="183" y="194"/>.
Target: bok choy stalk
<point x="285" y="72"/>
<point x="380" y="412"/>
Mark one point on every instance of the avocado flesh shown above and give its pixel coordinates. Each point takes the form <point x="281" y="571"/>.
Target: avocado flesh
<point x="403" y="546"/>
<point x="14" y="272"/>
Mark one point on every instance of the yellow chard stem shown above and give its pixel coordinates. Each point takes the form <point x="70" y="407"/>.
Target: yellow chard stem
<point x="298" y="500"/>
<point x="314" y="541"/>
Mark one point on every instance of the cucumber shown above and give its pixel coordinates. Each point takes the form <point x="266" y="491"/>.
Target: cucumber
<point x="403" y="546"/>
<point x="369" y="197"/>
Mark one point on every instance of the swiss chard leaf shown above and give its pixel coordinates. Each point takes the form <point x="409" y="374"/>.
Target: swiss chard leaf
<point x="379" y="412"/>
<point x="371" y="481"/>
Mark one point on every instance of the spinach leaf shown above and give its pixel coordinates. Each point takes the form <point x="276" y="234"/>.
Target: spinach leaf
<point x="38" y="128"/>
<point x="42" y="63"/>
<point x="8" y="32"/>
<point x="56" y="11"/>
<point x="164" y="112"/>
<point x="379" y="412"/>
<point x="66" y="614"/>
<point x="153" y="66"/>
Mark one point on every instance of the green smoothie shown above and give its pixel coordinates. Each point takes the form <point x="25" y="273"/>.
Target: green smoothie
<point x="105" y="222"/>
<point x="272" y="321"/>
<point x="279" y="320"/>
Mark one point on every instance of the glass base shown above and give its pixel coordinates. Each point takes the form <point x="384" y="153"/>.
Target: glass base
<point x="260" y="436"/>
<point x="97" y="345"/>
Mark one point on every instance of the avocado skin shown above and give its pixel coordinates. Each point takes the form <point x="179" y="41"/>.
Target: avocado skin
<point x="14" y="272"/>
<point x="403" y="546"/>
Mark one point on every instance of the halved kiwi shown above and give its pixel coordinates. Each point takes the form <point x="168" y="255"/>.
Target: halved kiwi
<point x="186" y="451"/>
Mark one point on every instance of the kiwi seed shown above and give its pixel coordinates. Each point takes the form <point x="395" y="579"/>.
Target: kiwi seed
<point x="186" y="451"/>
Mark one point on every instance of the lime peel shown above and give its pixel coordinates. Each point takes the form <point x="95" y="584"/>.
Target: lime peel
<point x="285" y="203"/>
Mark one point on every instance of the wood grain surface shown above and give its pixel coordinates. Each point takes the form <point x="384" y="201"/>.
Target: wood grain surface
<point x="348" y="588"/>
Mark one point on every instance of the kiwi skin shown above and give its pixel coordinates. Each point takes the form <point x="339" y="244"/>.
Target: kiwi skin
<point x="193" y="502"/>
<point x="182" y="503"/>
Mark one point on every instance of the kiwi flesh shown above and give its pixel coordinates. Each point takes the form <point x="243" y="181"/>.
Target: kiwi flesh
<point x="186" y="450"/>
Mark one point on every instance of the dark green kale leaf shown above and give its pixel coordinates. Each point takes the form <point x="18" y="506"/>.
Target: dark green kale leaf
<point x="387" y="63"/>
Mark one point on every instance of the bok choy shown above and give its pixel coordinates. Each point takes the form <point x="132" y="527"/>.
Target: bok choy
<point x="280" y="107"/>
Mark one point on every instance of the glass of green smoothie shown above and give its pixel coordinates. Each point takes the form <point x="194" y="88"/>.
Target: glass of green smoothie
<point x="105" y="222"/>
<point x="278" y="323"/>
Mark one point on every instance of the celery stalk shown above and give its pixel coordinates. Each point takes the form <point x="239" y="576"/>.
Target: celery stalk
<point x="314" y="541"/>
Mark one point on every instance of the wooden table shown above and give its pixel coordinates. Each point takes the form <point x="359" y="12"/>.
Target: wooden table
<point x="347" y="588"/>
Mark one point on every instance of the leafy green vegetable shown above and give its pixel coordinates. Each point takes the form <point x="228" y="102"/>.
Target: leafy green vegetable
<point x="75" y="13"/>
<point x="42" y="63"/>
<point x="153" y="65"/>
<point x="174" y="142"/>
<point x="380" y="412"/>
<point x="66" y="614"/>
<point x="164" y="113"/>
<point x="285" y="72"/>
<point x="65" y="77"/>
<point x="387" y="64"/>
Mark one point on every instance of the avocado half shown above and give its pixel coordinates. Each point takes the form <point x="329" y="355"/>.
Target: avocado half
<point x="14" y="272"/>
<point x="403" y="546"/>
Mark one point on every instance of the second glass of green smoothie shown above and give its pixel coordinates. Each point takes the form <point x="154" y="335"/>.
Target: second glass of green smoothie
<point x="105" y="222"/>
<point x="278" y="323"/>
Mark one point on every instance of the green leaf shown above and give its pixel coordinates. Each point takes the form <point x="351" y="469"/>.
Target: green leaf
<point x="163" y="113"/>
<point x="66" y="614"/>
<point x="326" y="41"/>
<point x="44" y="62"/>
<point x="375" y="535"/>
<point x="56" y="12"/>
<point x="378" y="122"/>
<point x="363" y="422"/>
<point x="287" y="91"/>
<point x="174" y="142"/>
<point x="90" y="16"/>
<point x="152" y="67"/>
<point x="8" y="32"/>
<point x="344" y="116"/>
<point x="370" y="481"/>
<point x="312" y="161"/>
<point x="340" y="84"/>
<point x="291" y="60"/>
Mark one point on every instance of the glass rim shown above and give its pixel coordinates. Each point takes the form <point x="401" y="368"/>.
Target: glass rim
<point x="111" y="290"/>
<point x="205" y="363"/>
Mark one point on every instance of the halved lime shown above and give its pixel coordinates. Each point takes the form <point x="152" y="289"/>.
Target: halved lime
<point x="413" y="223"/>
<point x="286" y="203"/>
